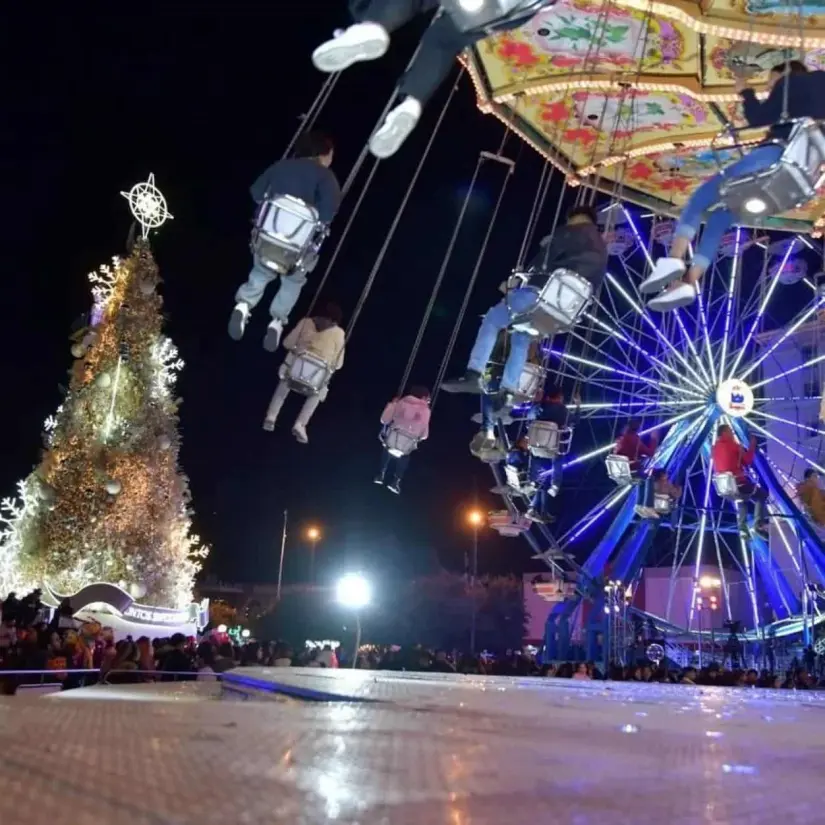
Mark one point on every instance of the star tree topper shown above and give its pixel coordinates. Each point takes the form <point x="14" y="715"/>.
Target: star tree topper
<point x="148" y="205"/>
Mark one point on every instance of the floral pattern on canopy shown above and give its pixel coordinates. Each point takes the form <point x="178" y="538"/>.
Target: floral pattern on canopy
<point x="635" y="93"/>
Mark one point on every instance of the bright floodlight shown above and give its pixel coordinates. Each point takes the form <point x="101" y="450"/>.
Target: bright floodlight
<point x="245" y="633"/>
<point x="756" y="206"/>
<point x="313" y="533"/>
<point x="471" y="6"/>
<point x="353" y="591"/>
<point x="709" y="581"/>
<point x="221" y="628"/>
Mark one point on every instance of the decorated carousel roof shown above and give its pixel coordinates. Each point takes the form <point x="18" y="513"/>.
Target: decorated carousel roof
<point x="630" y="95"/>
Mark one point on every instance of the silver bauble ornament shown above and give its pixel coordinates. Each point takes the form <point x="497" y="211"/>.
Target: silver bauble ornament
<point x="78" y="350"/>
<point x="164" y="442"/>
<point x="104" y="380"/>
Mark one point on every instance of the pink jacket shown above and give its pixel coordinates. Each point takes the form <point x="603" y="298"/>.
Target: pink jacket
<point x="410" y="414"/>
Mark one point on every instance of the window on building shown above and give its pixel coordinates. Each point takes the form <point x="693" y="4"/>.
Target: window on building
<point x="807" y="353"/>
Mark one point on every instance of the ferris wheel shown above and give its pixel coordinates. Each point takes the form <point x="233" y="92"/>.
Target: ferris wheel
<point x="749" y="355"/>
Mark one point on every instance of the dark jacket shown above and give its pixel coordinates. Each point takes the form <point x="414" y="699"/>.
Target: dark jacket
<point x="302" y="178"/>
<point x="806" y="98"/>
<point x="578" y="247"/>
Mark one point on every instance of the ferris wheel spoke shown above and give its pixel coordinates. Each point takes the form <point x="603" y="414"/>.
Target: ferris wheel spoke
<point x="759" y="313"/>
<point x="791" y="422"/>
<point x="651" y="324"/>
<point x="791" y="371"/>
<point x="703" y="326"/>
<point x="608" y="447"/>
<point x="662" y="367"/>
<point x="784" y="444"/>
<point x="627" y="374"/>
<point x="597" y="512"/>
<point x="734" y="269"/>
<point x="692" y="347"/>
<point x="805" y="316"/>
<point x="703" y="520"/>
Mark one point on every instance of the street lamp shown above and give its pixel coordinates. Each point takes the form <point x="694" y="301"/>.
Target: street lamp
<point x="354" y="592"/>
<point x="475" y="518"/>
<point x="707" y="599"/>
<point x="313" y="535"/>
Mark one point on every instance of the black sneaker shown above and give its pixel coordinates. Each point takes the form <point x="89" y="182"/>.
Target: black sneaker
<point x="504" y="402"/>
<point x="395" y="487"/>
<point x="471" y="382"/>
<point x="379" y="479"/>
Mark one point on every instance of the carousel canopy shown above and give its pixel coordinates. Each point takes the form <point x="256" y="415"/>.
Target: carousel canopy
<point x="634" y="96"/>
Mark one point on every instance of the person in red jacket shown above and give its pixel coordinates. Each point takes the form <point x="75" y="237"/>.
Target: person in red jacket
<point x="730" y="457"/>
<point x="635" y="450"/>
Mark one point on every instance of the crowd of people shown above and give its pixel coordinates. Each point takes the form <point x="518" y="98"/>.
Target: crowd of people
<point x="39" y="648"/>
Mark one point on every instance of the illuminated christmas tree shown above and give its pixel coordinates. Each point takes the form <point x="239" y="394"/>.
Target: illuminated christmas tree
<point x="108" y="502"/>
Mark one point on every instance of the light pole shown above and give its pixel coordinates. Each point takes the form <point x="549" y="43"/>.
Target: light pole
<point x="707" y="588"/>
<point x="313" y="535"/>
<point x="353" y="591"/>
<point x="281" y="562"/>
<point x="475" y="518"/>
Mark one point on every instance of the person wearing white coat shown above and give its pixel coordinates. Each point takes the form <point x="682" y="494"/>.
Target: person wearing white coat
<point x="323" y="336"/>
<point x="410" y="415"/>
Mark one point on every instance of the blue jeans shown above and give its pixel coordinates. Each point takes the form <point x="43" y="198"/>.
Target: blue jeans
<point x="721" y="219"/>
<point x="497" y="319"/>
<point x="488" y="405"/>
<point x="252" y="290"/>
<point x="398" y="463"/>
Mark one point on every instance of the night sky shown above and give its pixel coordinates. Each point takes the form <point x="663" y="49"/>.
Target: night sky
<point x="206" y="96"/>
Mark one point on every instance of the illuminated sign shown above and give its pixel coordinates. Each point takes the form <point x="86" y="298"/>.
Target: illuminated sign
<point x="735" y="398"/>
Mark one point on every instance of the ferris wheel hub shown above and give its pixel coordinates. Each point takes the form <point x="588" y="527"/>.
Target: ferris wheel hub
<point x="735" y="398"/>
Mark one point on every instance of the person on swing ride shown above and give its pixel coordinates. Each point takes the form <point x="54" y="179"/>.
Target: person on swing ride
<point x="805" y="98"/>
<point x="812" y="497"/>
<point x="532" y="472"/>
<point x="369" y="38"/>
<point x="306" y="176"/>
<point x="485" y="439"/>
<point x="553" y="409"/>
<point x="323" y="336"/>
<point x="411" y="415"/>
<point x="577" y="246"/>
<point x="631" y="446"/>
<point x="729" y="456"/>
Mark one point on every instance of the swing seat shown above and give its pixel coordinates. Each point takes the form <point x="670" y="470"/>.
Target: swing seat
<point x="530" y="382"/>
<point x="493" y="455"/>
<point x="308" y="374"/>
<point x="489" y="13"/>
<point x="561" y="302"/>
<point x="726" y="487"/>
<point x="787" y="184"/>
<point x="398" y="442"/>
<point x="505" y="525"/>
<point x="547" y="440"/>
<point x="517" y="482"/>
<point x="618" y="468"/>
<point x="287" y="233"/>
<point x="662" y="504"/>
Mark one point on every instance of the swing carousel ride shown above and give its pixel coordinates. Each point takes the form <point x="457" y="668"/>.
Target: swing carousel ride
<point x="635" y="99"/>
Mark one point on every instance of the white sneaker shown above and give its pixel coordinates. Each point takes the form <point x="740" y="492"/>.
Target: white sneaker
<point x="681" y="296"/>
<point x="237" y="321"/>
<point x="269" y="425"/>
<point x="666" y="271"/>
<point x="300" y="433"/>
<point x="396" y="128"/>
<point x="363" y="41"/>
<point x="273" y="335"/>
<point x="553" y="491"/>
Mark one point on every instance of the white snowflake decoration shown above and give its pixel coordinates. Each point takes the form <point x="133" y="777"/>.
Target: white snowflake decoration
<point x="168" y="364"/>
<point x="103" y="282"/>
